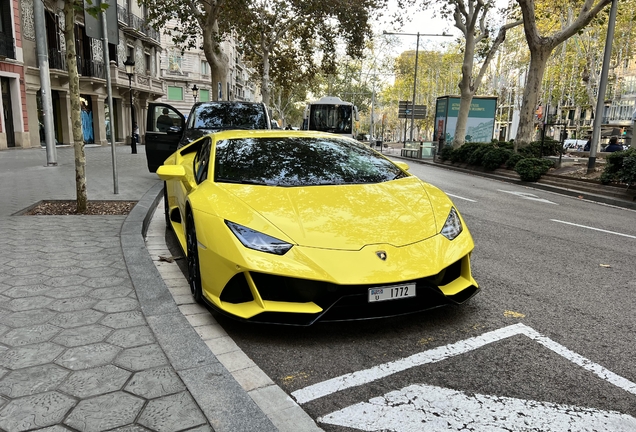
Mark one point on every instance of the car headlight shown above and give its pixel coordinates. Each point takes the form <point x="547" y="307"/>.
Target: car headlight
<point x="257" y="240"/>
<point x="453" y="226"/>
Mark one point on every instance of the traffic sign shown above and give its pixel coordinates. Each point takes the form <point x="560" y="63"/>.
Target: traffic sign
<point x="405" y="110"/>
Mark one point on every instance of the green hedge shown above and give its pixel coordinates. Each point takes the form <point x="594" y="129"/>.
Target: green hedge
<point x="620" y="167"/>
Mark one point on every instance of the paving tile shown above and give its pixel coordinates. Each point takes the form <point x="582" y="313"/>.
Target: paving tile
<point x="87" y="356"/>
<point x="104" y="412"/>
<point x="95" y="381"/>
<point x="30" y="355"/>
<point x="37" y="411"/>
<point x="155" y="383"/>
<point x="30" y="335"/>
<point x="171" y="413"/>
<point x="64" y="281"/>
<point x="24" y="304"/>
<point x="83" y="335"/>
<point x="105" y="282"/>
<point x="124" y="319"/>
<point x="26" y="291"/>
<point x="132" y="337"/>
<point x="72" y="304"/>
<point x="26" y="318"/>
<point x="140" y="358"/>
<point x="117" y="305"/>
<point x="77" y="318"/>
<point x="32" y="380"/>
<point x="110" y="292"/>
<point x="67" y="292"/>
<point x="62" y="271"/>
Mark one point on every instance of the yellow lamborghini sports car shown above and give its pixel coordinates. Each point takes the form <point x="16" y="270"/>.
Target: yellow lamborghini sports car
<point x="296" y="227"/>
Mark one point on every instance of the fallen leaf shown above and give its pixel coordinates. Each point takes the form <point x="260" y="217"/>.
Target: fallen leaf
<point x="606" y="265"/>
<point x="580" y="197"/>
<point x="169" y="259"/>
<point x="513" y="314"/>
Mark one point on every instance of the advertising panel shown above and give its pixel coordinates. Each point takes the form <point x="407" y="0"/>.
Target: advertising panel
<point x="481" y="118"/>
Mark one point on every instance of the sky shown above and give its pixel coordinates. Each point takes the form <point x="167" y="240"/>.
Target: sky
<point x="424" y="23"/>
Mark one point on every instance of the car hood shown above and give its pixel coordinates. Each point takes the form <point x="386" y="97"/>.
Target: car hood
<point x="345" y="217"/>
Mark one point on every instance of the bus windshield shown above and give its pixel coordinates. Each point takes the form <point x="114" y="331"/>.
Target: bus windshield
<point x="331" y="118"/>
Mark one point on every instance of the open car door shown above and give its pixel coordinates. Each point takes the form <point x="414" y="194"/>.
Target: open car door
<point x="164" y="129"/>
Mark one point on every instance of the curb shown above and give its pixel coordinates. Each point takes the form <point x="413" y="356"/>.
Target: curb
<point x="223" y="401"/>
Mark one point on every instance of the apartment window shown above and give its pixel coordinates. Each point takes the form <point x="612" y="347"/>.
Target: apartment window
<point x="175" y="93"/>
<point x="205" y="68"/>
<point x="148" y="63"/>
<point x="204" y="95"/>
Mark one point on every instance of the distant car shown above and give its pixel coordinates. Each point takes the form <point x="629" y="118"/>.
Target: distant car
<point x="296" y="227"/>
<point x="167" y="129"/>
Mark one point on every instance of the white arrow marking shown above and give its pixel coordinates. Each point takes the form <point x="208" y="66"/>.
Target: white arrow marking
<point x="424" y="408"/>
<point x="528" y="196"/>
<point x="354" y="379"/>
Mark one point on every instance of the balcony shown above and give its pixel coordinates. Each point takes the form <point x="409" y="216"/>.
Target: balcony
<point x="135" y="24"/>
<point x="86" y="68"/>
<point x="7" y="46"/>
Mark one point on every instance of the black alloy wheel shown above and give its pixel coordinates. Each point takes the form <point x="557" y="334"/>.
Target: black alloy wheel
<point x="166" y="207"/>
<point x="194" y="273"/>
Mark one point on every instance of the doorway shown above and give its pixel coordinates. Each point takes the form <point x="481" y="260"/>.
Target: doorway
<point x="7" y="109"/>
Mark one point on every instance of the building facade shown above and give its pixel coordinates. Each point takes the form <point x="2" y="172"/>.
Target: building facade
<point x="185" y="71"/>
<point x="136" y="40"/>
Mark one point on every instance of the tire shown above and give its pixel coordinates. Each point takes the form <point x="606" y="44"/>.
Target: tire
<point x="194" y="272"/>
<point x="166" y="208"/>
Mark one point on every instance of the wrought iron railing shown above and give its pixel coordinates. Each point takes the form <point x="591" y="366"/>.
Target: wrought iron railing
<point x="57" y="59"/>
<point x="122" y="14"/>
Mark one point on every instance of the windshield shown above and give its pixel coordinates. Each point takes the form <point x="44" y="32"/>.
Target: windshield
<point x="331" y="118"/>
<point x="235" y="115"/>
<point x="300" y="161"/>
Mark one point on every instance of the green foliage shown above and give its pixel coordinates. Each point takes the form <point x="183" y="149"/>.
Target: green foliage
<point x="446" y="152"/>
<point x="536" y="149"/>
<point x="463" y="153"/>
<point x="620" y="167"/>
<point x="513" y="160"/>
<point x="477" y="156"/>
<point x="531" y="169"/>
<point x="495" y="157"/>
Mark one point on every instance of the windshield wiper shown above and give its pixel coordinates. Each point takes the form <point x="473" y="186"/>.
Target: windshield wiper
<point x="250" y="182"/>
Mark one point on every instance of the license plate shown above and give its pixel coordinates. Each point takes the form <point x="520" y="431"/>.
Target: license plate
<point x="391" y="292"/>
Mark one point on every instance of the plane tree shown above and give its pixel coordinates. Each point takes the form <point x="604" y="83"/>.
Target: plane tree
<point x="471" y="18"/>
<point x="541" y="42"/>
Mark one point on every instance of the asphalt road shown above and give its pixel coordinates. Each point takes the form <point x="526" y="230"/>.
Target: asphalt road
<point x="553" y="324"/>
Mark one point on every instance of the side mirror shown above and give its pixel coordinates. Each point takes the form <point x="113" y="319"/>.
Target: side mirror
<point x="171" y="172"/>
<point x="402" y="165"/>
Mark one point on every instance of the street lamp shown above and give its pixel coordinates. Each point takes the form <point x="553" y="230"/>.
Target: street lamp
<point x="417" y="49"/>
<point x="130" y="70"/>
<point x="195" y="92"/>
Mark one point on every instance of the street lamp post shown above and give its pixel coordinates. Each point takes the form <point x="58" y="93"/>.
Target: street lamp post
<point x="417" y="49"/>
<point x="130" y="70"/>
<point x="195" y="92"/>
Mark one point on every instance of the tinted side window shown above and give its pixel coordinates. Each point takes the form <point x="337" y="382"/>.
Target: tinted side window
<point x="202" y="161"/>
<point x="228" y="116"/>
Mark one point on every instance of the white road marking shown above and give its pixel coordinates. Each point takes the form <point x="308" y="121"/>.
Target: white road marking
<point x="354" y="379"/>
<point x="529" y="196"/>
<point x="461" y="198"/>
<point x="424" y="408"/>
<point x="593" y="229"/>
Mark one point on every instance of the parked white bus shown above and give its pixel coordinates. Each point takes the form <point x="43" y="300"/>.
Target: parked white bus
<point x="331" y="114"/>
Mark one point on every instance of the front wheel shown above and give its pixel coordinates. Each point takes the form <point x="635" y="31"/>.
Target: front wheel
<point x="194" y="272"/>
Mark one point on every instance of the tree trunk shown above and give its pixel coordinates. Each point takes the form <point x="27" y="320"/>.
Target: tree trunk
<point x="265" y="80"/>
<point x="74" y="93"/>
<point x="217" y="59"/>
<point x="466" y="91"/>
<point x="538" y="60"/>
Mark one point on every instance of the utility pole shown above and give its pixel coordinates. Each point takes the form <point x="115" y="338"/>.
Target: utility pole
<point x="602" y="85"/>
<point x="45" y="82"/>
